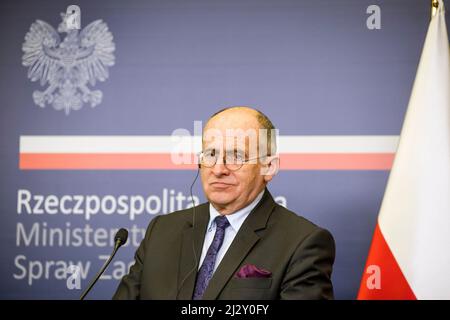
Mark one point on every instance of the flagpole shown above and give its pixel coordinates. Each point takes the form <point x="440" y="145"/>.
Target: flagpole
<point x="434" y="7"/>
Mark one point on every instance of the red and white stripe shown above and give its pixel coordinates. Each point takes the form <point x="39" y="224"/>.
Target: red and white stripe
<point x="155" y="152"/>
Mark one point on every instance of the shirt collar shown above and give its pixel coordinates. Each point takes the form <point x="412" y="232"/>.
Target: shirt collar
<point x="237" y="218"/>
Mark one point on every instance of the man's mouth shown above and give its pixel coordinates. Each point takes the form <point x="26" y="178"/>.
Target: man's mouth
<point x="220" y="185"/>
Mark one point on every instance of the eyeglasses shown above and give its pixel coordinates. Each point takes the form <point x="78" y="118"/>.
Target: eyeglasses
<point x="232" y="160"/>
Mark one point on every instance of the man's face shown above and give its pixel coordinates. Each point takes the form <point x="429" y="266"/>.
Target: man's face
<point x="226" y="189"/>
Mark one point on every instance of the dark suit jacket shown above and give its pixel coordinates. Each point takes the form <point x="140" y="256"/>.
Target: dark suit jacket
<point x="299" y="254"/>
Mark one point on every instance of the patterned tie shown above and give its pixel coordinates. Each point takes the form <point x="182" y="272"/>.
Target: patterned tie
<point x="206" y="270"/>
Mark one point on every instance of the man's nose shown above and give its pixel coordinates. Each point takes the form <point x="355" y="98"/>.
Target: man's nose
<point x="220" y="168"/>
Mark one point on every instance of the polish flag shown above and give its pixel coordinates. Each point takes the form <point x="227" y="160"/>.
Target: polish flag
<point x="410" y="253"/>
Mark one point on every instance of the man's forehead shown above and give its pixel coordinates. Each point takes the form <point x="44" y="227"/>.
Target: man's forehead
<point x="212" y="135"/>
<point x="232" y="128"/>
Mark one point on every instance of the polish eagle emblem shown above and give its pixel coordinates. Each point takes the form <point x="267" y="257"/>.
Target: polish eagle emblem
<point x="69" y="66"/>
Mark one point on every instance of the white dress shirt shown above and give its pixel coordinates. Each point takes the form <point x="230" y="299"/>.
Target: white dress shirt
<point x="235" y="219"/>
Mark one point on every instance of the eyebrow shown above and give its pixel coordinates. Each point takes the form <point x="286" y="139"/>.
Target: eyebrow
<point x="228" y="151"/>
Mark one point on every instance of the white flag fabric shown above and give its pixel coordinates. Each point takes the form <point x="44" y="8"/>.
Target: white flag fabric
<point x="410" y="253"/>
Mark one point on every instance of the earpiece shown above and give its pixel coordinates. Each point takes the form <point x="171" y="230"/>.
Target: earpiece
<point x="195" y="267"/>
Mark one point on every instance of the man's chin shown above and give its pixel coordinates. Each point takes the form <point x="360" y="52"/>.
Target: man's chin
<point x="220" y="199"/>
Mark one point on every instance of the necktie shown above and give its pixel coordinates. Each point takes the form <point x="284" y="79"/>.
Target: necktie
<point x="206" y="270"/>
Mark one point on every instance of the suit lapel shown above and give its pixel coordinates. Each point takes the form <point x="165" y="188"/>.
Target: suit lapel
<point x="192" y="237"/>
<point x="244" y="241"/>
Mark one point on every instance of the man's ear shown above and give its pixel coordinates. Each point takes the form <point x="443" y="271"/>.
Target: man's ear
<point x="199" y="166"/>
<point x="269" y="167"/>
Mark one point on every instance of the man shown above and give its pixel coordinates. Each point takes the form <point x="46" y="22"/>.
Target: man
<point x="241" y="244"/>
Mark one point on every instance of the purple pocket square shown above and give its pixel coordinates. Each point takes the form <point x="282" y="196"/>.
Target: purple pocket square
<point x="252" y="271"/>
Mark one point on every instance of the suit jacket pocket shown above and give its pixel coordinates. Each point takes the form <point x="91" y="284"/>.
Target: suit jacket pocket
<point x="251" y="283"/>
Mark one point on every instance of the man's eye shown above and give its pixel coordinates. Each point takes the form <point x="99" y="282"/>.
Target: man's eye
<point x="235" y="157"/>
<point x="210" y="153"/>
